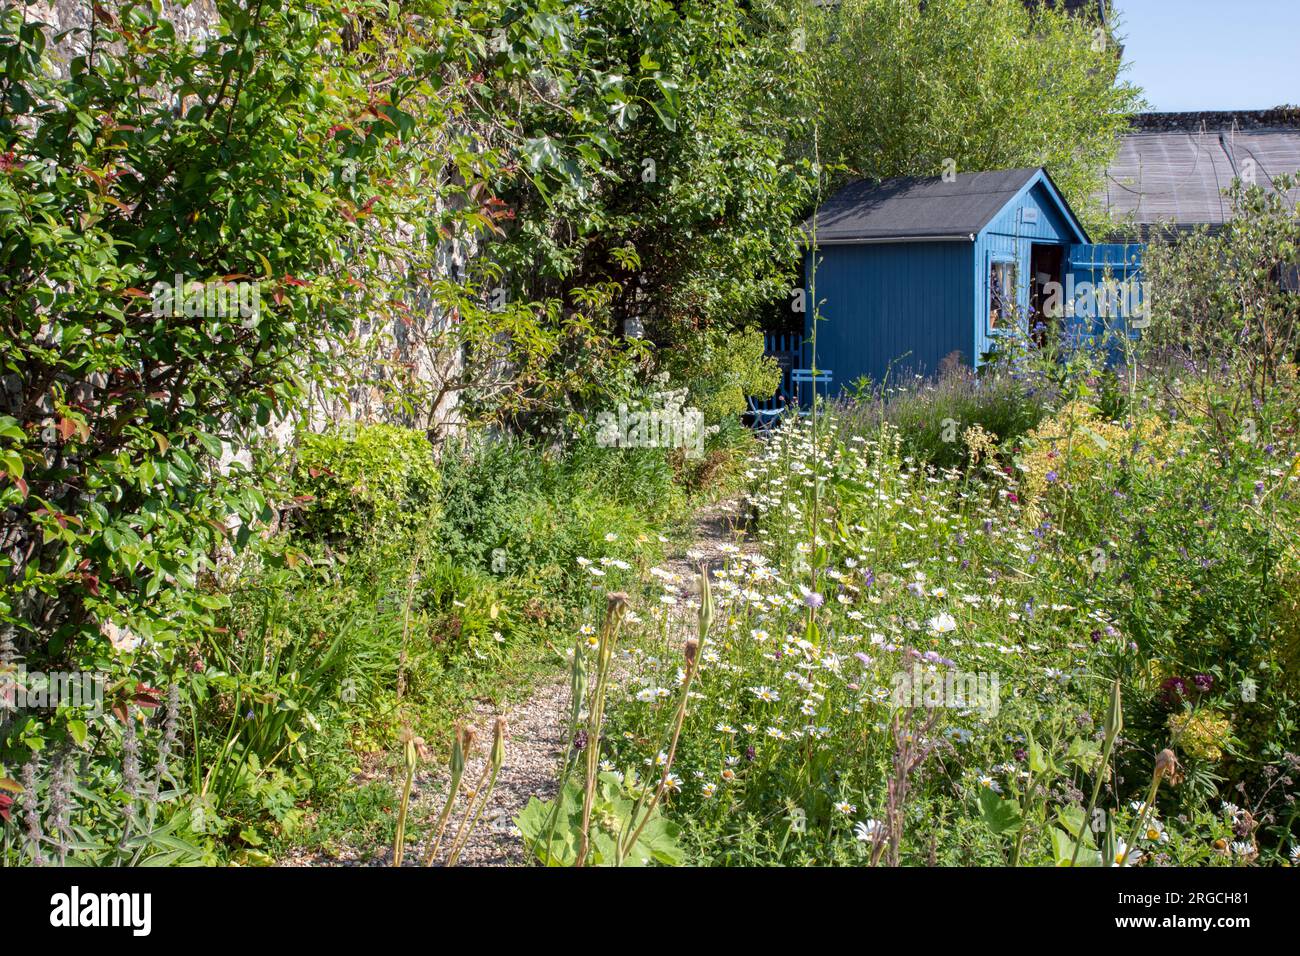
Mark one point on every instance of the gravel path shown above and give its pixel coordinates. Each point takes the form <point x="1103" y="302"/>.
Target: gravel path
<point x="534" y="742"/>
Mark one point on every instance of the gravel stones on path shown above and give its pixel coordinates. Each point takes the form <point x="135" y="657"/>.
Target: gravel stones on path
<point x="535" y="740"/>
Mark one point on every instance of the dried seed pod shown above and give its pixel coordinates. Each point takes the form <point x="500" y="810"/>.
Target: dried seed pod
<point x="691" y="650"/>
<point x="1167" y="766"/>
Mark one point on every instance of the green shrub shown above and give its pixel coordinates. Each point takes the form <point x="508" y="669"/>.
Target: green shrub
<point x="484" y="484"/>
<point x="512" y="507"/>
<point x="365" y="481"/>
<point x="721" y="368"/>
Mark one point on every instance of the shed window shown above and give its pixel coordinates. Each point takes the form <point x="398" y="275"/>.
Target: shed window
<point x="1002" y="293"/>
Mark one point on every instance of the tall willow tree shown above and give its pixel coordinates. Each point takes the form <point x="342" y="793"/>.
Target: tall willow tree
<point x="915" y="87"/>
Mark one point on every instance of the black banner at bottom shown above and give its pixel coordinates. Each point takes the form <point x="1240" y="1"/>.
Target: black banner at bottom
<point x="338" y="906"/>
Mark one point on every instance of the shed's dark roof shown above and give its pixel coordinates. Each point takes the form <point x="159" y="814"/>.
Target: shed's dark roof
<point x="916" y="208"/>
<point x="1171" y="171"/>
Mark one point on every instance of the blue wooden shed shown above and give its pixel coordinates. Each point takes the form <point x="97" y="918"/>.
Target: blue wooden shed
<point x="911" y="271"/>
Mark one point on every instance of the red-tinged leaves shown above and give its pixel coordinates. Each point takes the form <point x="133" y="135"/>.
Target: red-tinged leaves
<point x="127" y="208"/>
<point x="293" y="280"/>
<point x="144" y="697"/>
<point x="59" y="517"/>
<point x="19" y="483"/>
<point x="6" y="804"/>
<point x="91" y="583"/>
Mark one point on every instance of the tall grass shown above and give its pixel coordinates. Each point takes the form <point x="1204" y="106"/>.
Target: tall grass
<point x="930" y="414"/>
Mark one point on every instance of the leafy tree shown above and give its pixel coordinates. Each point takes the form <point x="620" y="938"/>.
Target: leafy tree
<point x="670" y="130"/>
<point x="912" y="88"/>
<point x="287" y="154"/>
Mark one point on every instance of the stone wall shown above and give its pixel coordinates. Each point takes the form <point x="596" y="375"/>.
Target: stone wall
<point x="68" y="37"/>
<point x="1281" y="116"/>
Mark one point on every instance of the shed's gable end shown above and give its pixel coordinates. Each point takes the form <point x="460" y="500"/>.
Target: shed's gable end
<point x="1037" y="213"/>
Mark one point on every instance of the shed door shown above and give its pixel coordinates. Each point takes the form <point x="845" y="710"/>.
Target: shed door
<point x="1103" y="292"/>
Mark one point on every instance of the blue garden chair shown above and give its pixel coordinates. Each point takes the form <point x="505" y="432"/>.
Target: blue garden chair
<point x="806" y="376"/>
<point x="764" y="418"/>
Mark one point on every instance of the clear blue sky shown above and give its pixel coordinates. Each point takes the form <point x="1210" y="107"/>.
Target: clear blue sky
<point x="1212" y="54"/>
